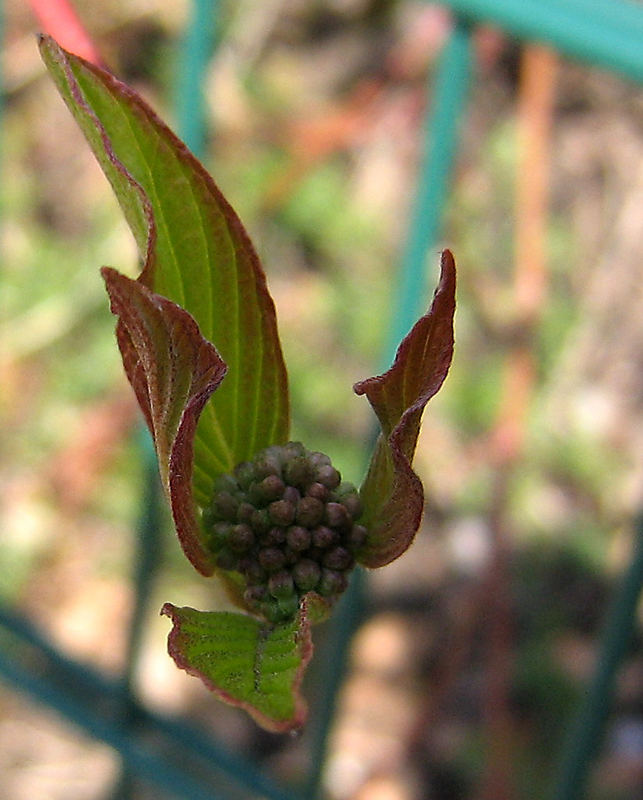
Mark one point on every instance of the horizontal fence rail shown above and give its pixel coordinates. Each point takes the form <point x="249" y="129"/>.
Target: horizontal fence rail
<point x="163" y="750"/>
<point x="604" y="33"/>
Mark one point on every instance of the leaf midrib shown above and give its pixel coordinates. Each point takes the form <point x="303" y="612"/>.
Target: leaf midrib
<point x="161" y="222"/>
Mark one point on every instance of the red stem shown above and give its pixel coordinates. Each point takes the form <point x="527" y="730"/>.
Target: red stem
<point x="59" y="19"/>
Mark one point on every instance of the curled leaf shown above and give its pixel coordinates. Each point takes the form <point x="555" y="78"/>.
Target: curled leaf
<point x="173" y="371"/>
<point x="246" y="662"/>
<point x="392" y="492"/>
<point x="195" y="252"/>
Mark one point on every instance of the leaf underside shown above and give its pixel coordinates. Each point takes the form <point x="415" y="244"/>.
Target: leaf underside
<point x="173" y="371"/>
<point x="195" y="252"/>
<point x="245" y="662"/>
<point x="392" y="493"/>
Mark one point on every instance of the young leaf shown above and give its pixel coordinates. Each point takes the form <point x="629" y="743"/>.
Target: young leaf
<point x="392" y="493"/>
<point x="173" y="371"/>
<point x="196" y="253"/>
<point x="245" y="662"/>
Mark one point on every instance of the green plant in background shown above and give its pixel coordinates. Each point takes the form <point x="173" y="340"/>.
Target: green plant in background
<point x="198" y="337"/>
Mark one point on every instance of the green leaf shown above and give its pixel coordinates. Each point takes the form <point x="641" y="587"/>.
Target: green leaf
<point x="173" y="371"/>
<point x="392" y="493"/>
<point x="246" y="662"/>
<point x="195" y="253"/>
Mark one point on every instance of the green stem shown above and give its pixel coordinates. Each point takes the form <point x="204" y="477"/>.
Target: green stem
<point x="588" y="729"/>
<point x="448" y="101"/>
<point x="190" y="115"/>
<point x="440" y="147"/>
<point x="194" y="58"/>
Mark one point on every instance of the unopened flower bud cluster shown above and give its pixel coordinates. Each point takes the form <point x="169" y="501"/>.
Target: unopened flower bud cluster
<point x="288" y="524"/>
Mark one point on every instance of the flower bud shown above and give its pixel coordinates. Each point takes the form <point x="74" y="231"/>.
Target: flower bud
<point x="318" y="459"/>
<point x="260" y="521"/>
<point x="319" y="491"/>
<point x="286" y="523"/>
<point x="226" y="560"/>
<point x="274" y="537"/>
<point x="298" y="538"/>
<point x="241" y="538"/>
<point x="281" y="512"/>
<point x="353" y="504"/>
<point x="280" y="584"/>
<point x="252" y="570"/>
<point x="274" y="455"/>
<point x="244" y="473"/>
<point x="332" y="582"/>
<point x="225" y="483"/>
<point x="337" y="516"/>
<point x="271" y="559"/>
<point x="292" y="495"/>
<point x="245" y="512"/>
<point x="226" y="505"/>
<point x="306" y="574"/>
<point x="357" y="537"/>
<point x="298" y="471"/>
<point x="254" y="595"/>
<point x="327" y="475"/>
<point x="268" y="464"/>
<point x="310" y="512"/>
<point x="293" y="450"/>
<point x="323" y="536"/>
<point x="338" y="558"/>
<point x="265" y="491"/>
<point x="209" y="517"/>
<point x="219" y="533"/>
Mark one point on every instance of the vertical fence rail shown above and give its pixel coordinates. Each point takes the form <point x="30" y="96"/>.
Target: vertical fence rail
<point x="449" y="97"/>
<point x="442" y="119"/>
<point x="587" y="730"/>
<point x="148" y="547"/>
<point x="193" y="59"/>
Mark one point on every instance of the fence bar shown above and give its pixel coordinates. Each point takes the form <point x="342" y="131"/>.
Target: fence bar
<point x="605" y="33"/>
<point x="446" y="108"/>
<point x="440" y="146"/>
<point x="587" y="732"/>
<point x="193" y="60"/>
<point x="136" y="755"/>
<point x="343" y="625"/>
<point x="194" y="57"/>
<point x="91" y="700"/>
<point x="147" y="560"/>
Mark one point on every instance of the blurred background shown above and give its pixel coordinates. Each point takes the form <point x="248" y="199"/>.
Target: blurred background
<point x="477" y="644"/>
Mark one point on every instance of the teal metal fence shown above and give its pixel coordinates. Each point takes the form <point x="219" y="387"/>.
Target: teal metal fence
<point x="176" y="756"/>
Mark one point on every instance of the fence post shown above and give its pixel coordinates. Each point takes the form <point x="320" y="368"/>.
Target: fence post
<point x="439" y="148"/>
<point x="588" y="729"/>
<point x="446" y="107"/>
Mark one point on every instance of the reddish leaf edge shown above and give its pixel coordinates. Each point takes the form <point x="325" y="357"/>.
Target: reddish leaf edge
<point x="397" y="518"/>
<point x="305" y="645"/>
<point x="63" y="58"/>
<point x="184" y="154"/>
<point x="135" y="305"/>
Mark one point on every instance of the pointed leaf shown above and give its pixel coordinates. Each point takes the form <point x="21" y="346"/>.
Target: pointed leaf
<point x="173" y="371"/>
<point x="246" y="662"/>
<point x="196" y="253"/>
<point x="392" y="492"/>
